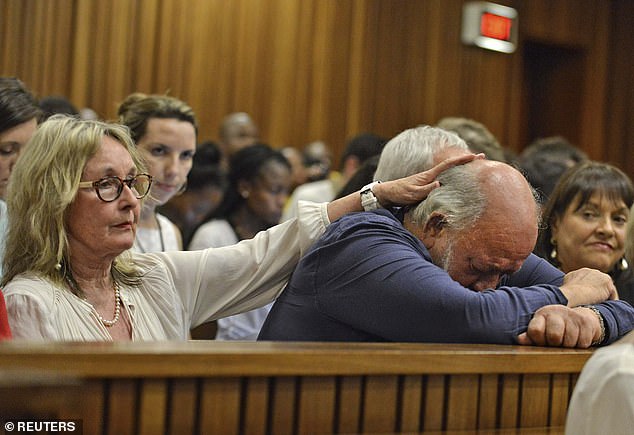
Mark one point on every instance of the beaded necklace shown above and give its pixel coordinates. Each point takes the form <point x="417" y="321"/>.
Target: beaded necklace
<point x="117" y="302"/>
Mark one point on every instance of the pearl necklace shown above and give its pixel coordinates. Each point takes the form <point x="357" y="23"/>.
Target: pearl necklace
<point x="117" y="302"/>
<point x="117" y="308"/>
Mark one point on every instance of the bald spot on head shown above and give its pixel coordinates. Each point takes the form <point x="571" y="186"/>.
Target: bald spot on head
<point x="510" y="200"/>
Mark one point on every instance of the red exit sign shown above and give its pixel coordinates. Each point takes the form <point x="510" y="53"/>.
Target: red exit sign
<point x="489" y="25"/>
<point x="495" y="26"/>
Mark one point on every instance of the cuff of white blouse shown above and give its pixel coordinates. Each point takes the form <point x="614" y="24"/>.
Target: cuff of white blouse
<point x="311" y="207"/>
<point x="312" y="220"/>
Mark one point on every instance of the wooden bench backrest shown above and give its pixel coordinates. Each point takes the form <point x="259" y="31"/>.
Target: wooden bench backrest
<point x="253" y="388"/>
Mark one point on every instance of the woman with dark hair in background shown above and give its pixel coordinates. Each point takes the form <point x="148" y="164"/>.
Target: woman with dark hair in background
<point x="259" y="183"/>
<point x="585" y="222"/>
<point x="164" y="129"/>
<point x="19" y="115"/>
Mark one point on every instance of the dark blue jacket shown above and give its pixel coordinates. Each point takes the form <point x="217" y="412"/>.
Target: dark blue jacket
<point x="369" y="279"/>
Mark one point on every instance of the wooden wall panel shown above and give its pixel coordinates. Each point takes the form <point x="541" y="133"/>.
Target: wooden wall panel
<point x="283" y="403"/>
<point x="122" y="407"/>
<point x="183" y="405"/>
<point x="153" y="399"/>
<point x="350" y="390"/>
<point x="144" y="51"/>
<point x="619" y="113"/>
<point x="379" y="404"/>
<point x="81" y="71"/>
<point x="11" y="17"/>
<point x="320" y="69"/>
<point x="220" y="406"/>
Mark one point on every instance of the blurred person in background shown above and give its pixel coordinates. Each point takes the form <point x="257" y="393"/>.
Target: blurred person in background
<point x="299" y="174"/>
<point x="478" y="138"/>
<point x="357" y="151"/>
<point x="545" y="160"/>
<point x="258" y="185"/>
<point x="54" y="104"/>
<point x="206" y="184"/>
<point x="317" y="160"/>
<point x="237" y="130"/>
<point x="19" y="116"/>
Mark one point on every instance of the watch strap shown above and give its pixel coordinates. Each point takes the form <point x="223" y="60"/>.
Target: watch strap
<point x="369" y="201"/>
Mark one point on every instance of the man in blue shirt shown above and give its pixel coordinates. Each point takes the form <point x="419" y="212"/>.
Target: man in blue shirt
<point x="457" y="268"/>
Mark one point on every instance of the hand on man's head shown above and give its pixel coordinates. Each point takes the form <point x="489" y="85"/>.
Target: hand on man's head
<point x="416" y="187"/>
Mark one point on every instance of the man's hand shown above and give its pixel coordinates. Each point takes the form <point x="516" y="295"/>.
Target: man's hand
<point x="588" y="286"/>
<point x="558" y="325"/>
<point x="415" y="188"/>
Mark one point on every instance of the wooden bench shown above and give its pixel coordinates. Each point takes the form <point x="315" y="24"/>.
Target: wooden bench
<point x="279" y="388"/>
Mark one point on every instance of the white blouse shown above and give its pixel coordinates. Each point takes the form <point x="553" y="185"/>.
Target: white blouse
<point x="243" y="326"/>
<point x="603" y="398"/>
<point x="164" y="238"/>
<point x="213" y="234"/>
<point x="179" y="290"/>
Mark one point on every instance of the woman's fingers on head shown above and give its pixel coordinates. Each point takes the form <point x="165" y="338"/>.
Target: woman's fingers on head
<point x="451" y="162"/>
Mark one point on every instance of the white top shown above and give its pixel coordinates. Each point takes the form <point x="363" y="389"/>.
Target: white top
<point x="603" y="398"/>
<point x="179" y="289"/>
<point x="213" y="234"/>
<point x="164" y="238"/>
<point x="315" y="191"/>
<point x="243" y="326"/>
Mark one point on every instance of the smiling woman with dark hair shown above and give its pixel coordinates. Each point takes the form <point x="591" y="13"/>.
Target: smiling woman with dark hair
<point x="585" y="220"/>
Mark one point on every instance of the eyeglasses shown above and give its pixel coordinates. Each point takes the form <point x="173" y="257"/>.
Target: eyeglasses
<point x="109" y="188"/>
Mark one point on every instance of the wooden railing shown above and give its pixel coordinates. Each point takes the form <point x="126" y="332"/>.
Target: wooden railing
<point x="279" y="388"/>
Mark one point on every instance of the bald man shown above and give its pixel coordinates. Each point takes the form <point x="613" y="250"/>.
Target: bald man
<point x="457" y="268"/>
<point x="237" y="131"/>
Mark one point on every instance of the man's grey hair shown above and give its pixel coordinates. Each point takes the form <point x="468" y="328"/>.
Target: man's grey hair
<point x="459" y="198"/>
<point x="413" y="150"/>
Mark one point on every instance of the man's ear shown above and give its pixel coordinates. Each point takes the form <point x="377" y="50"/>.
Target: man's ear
<point x="433" y="228"/>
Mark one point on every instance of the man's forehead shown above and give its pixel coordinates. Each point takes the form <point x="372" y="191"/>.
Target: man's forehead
<point x="491" y="243"/>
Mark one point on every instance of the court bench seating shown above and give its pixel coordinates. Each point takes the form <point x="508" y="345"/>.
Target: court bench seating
<point x="279" y="388"/>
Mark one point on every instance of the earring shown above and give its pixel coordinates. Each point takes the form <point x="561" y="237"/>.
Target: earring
<point x="244" y="194"/>
<point x="553" y="253"/>
<point x="623" y="265"/>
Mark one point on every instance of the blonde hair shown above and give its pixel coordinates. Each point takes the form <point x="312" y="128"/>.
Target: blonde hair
<point x="43" y="184"/>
